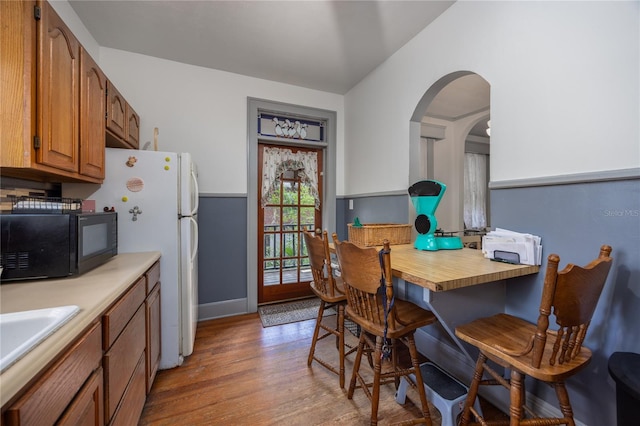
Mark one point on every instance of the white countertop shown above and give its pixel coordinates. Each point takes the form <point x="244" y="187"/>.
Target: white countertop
<point x="93" y="292"/>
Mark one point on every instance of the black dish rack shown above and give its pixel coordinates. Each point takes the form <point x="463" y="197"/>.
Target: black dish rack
<point x="45" y="205"/>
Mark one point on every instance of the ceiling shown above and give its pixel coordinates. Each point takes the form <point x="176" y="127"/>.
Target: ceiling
<point x="323" y="45"/>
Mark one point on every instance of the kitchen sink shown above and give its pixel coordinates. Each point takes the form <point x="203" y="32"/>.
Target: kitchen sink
<point x="20" y="332"/>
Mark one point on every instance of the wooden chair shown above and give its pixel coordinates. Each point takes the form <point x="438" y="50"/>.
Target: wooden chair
<point x="371" y="304"/>
<point x="329" y="290"/>
<point x="527" y="349"/>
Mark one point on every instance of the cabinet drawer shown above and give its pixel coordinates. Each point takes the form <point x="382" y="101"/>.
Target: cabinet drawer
<point x="153" y="276"/>
<point x="134" y="398"/>
<point x="86" y="408"/>
<point x="49" y="397"/>
<point x="116" y="318"/>
<point x="121" y="360"/>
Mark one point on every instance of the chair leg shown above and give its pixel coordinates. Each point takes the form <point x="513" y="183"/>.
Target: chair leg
<point x="517" y="398"/>
<point x="316" y="331"/>
<point x="377" y="370"/>
<point x="473" y="390"/>
<point x="356" y="366"/>
<point x="338" y="322"/>
<point x="565" y="405"/>
<point x="341" y="342"/>
<point x="415" y="362"/>
<point x="394" y="356"/>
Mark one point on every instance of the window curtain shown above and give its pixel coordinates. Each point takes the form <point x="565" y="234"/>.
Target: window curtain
<point x="475" y="191"/>
<point x="276" y="161"/>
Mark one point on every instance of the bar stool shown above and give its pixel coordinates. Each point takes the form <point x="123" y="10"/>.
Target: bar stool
<point x="329" y="290"/>
<point x="528" y="349"/>
<point x="371" y="303"/>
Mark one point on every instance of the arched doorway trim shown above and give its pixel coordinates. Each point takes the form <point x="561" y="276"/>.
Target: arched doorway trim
<point x="421" y="159"/>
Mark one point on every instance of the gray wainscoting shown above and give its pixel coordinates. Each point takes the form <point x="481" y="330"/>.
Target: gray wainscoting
<point x="222" y="259"/>
<point x="574" y="220"/>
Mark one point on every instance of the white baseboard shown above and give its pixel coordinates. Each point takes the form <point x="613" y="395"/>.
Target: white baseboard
<point x="223" y="309"/>
<point x="459" y="366"/>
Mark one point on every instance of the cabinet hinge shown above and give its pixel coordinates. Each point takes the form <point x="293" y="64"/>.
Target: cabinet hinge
<point x="36" y="142"/>
<point x="37" y="13"/>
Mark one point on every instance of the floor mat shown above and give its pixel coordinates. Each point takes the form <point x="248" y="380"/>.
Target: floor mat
<point x="285" y="313"/>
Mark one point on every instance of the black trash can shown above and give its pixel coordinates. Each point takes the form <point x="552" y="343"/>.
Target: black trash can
<point x="624" y="367"/>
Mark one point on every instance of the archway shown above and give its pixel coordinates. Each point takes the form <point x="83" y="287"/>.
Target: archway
<point x="449" y="123"/>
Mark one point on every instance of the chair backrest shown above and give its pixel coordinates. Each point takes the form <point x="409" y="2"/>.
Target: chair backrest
<point x="320" y="263"/>
<point x="573" y="294"/>
<point x="361" y="273"/>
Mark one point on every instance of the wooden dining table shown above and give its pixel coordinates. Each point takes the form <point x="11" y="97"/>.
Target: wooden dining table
<point x="445" y="270"/>
<point x="458" y="286"/>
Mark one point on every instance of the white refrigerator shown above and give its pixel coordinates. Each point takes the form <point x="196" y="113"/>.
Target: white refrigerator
<point x="156" y="197"/>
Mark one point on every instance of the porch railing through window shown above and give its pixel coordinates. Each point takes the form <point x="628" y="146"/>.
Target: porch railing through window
<point x="291" y="241"/>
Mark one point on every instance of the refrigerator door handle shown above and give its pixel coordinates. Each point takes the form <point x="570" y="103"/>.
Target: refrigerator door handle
<point x="195" y="194"/>
<point x="194" y="248"/>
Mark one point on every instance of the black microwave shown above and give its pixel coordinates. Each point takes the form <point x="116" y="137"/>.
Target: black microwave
<point x="56" y="245"/>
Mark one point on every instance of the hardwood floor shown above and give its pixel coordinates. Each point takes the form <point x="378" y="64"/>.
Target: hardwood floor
<point x="243" y="374"/>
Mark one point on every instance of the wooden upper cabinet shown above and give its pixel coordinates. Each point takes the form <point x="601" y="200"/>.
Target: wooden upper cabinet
<point x="17" y="55"/>
<point x="93" y="89"/>
<point x="133" y="128"/>
<point x="52" y="94"/>
<point x="116" y="112"/>
<point x="123" y="123"/>
<point x="58" y="90"/>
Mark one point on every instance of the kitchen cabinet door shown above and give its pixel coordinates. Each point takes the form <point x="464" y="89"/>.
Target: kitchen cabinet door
<point x="87" y="407"/>
<point x="58" y="89"/>
<point x="153" y="335"/>
<point x="93" y="89"/>
<point x="133" y="128"/>
<point x="116" y="112"/>
<point x="49" y="397"/>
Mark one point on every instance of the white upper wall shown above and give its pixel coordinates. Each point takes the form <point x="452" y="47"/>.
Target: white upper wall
<point x="198" y="110"/>
<point x="564" y="90"/>
<point x="564" y="95"/>
<point x="204" y="112"/>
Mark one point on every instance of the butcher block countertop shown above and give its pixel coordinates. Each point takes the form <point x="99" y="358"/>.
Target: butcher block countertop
<point x="445" y="270"/>
<point x="93" y="292"/>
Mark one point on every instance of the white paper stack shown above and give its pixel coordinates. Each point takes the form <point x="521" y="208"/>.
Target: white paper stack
<point x="527" y="246"/>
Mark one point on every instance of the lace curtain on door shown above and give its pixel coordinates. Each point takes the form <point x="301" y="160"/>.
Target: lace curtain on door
<point x="475" y="191"/>
<point x="276" y="161"/>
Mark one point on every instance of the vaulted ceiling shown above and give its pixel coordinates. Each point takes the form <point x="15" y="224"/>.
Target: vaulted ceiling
<point x="323" y="45"/>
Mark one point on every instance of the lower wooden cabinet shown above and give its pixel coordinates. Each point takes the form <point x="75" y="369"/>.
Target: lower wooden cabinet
<point x="152" y="304"/>
<point x="133" y="399"/>
<point x="105" y="376"/>
<point x="59" y="388"/>
<point x="121" y="360"/>
<point x="87" y="408"/>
